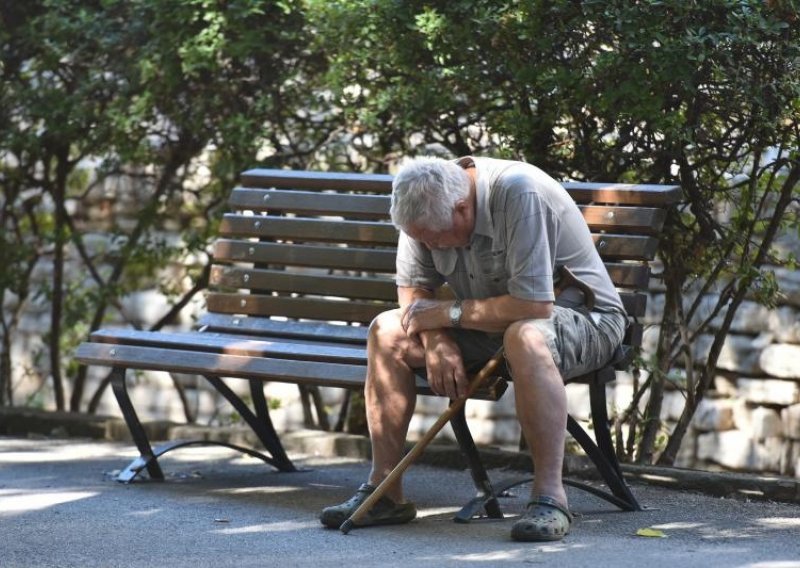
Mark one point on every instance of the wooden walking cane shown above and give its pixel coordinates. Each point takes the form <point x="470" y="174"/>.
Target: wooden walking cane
<point x="566" y="280"/>
<point x="420" y="446"/>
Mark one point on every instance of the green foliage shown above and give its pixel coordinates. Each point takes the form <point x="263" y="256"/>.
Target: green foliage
<point x="701" y="94"/>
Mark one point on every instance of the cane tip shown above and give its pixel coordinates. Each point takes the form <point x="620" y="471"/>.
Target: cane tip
<point x="346" y="526"/>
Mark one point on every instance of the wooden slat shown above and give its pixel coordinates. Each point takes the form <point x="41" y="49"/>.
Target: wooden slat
<point x="302" y="308"/>
<point x="305" y="255"/>
<point x="276" y="328"/>
<point x="174" y="360"/>
<point x="363" y="287"/>
<point x="293" y="179"/>
<point x="301" y="372"/>
<point x="301" y="229"/>
<point x="234" y="345"/>
<point x="641" y="220"/>
<point x="308" y="203"/>
<point x="599" y="217"/>
<point x="582" y="192"/>
<point x="629" y="275"/>
<point x="634" y="302"/>
<point x="625" y="247"/>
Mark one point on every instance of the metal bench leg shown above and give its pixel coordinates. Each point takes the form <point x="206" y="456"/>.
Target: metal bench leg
<point x="486" y="497"/>
<point x="259" y="422"/>
<point x="611" y="471"/>
<point x="147" y="458"/>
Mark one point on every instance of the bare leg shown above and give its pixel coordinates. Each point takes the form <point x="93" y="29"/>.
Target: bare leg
<point x="390" y="395"/>
<point x="541" y="402"/>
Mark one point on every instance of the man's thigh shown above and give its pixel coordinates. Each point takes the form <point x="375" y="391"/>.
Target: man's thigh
<point x="579" y="343"/>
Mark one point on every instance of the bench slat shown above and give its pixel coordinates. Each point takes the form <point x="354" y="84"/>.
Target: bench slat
<point x="235" y="345"/>
<point x="599" y="218"/>
<point x="582" y="192"/>
<point x="363" y="287"/>
<point x="278" y="328"/>
<point x="379" y="288"/>
<point x="625" y="247"/>
<point x="357" y="206"/>
<point x="300" y="372"/>
<point x="340" y="231"/>
<point x="305" y="255"/>
<point x="301" y="308"/>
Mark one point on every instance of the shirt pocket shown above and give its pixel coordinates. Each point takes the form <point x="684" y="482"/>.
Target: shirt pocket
<point x="493" y="264"/>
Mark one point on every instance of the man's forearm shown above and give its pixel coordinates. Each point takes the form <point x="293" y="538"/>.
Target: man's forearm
<point x="497" y="313"/>
<point x="422" y="312"/>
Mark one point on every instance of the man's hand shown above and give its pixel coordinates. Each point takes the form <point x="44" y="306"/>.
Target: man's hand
<point x="424" y="315"/>
<point x="445" y="366"/>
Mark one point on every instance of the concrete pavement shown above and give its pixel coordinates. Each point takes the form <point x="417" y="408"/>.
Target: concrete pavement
<point x="60" y="507"/>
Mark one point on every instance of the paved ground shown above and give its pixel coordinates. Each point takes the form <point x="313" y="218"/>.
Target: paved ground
<point x="59" y="507"/>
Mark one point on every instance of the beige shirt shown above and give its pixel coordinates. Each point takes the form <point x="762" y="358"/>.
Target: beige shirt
<point x="526" y="225"/>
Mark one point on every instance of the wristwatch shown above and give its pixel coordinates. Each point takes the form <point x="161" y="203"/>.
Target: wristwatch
<point x="455" y="314"/>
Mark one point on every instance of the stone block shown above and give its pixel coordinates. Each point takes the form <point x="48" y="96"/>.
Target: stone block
<point x="503" y="408"/>
<point x="740" y="353"/>
<point x="781" y="360"/>
<point x="713" y="415"/>
<point x="790" y="418"/>
<point x="726" y="386"/>
<point x="790" y="462"/>
<point x="784" y="323"/>
<point x="750" y="317"/>
<point x="672" y="405"/>
<point x="765" y="423"/>
<point x="769" y="391"/>
<point x="790" y="285"/>
<point x="742" y="415"/>
<point x="578" y="404"/>
<point x="504" y="431"/>
<point x="654" y="309"/>
<point x="734" y="449"/>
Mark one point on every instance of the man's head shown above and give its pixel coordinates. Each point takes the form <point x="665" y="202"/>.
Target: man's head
<point x="431" y="202"/>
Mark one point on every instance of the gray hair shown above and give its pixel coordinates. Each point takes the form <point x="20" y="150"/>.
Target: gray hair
<point x="425" y="192"/>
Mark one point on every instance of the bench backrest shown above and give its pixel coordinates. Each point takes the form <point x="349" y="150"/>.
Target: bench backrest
<point x="320" y="246"/>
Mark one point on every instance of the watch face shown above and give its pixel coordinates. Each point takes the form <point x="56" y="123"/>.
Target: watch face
<point x="455" y="314"/>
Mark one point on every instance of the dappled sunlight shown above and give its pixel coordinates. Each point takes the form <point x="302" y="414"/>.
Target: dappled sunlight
<point x="678" y="526"/>
<point x="278" y="526"/>
<point x="61" y="453"/>
<point x="779" y="522"/>
<point x="22" y="501"/>
<point x="145" y="513"/>
<point x="522" y="554"/>
<point x="257" y="490"/>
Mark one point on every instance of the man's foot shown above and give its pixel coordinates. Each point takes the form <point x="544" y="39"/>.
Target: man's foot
<point x="545" y="520"/>
<point x="384" y="512"/>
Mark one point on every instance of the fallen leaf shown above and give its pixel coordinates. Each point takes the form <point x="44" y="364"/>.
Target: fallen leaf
<point x="653" y="533"/>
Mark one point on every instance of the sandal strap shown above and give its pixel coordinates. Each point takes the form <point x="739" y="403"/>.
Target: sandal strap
<point x="548" y="501"/>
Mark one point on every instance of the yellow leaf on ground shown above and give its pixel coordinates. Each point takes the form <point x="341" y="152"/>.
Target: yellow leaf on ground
<point x="653" y="533"/>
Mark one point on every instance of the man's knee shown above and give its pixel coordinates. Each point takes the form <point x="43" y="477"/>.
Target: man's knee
<point x="385" y="331"/>
<point x="525" y="337"/>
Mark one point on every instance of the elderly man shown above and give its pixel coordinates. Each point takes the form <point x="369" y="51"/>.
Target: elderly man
<point x="495" y="231"/>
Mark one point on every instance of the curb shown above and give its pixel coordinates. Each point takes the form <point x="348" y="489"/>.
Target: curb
<point x="27" y="422"/>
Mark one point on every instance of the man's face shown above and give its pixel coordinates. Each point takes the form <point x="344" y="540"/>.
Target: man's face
<point x="457" y="236"/>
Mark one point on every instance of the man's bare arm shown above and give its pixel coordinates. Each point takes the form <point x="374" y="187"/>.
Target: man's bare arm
<point x="489" y="314"/>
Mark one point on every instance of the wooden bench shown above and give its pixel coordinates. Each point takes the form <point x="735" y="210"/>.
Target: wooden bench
<point x="304" y="261"/>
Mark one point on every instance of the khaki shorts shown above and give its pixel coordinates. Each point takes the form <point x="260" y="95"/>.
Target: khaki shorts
<point x="580" y="341"/>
